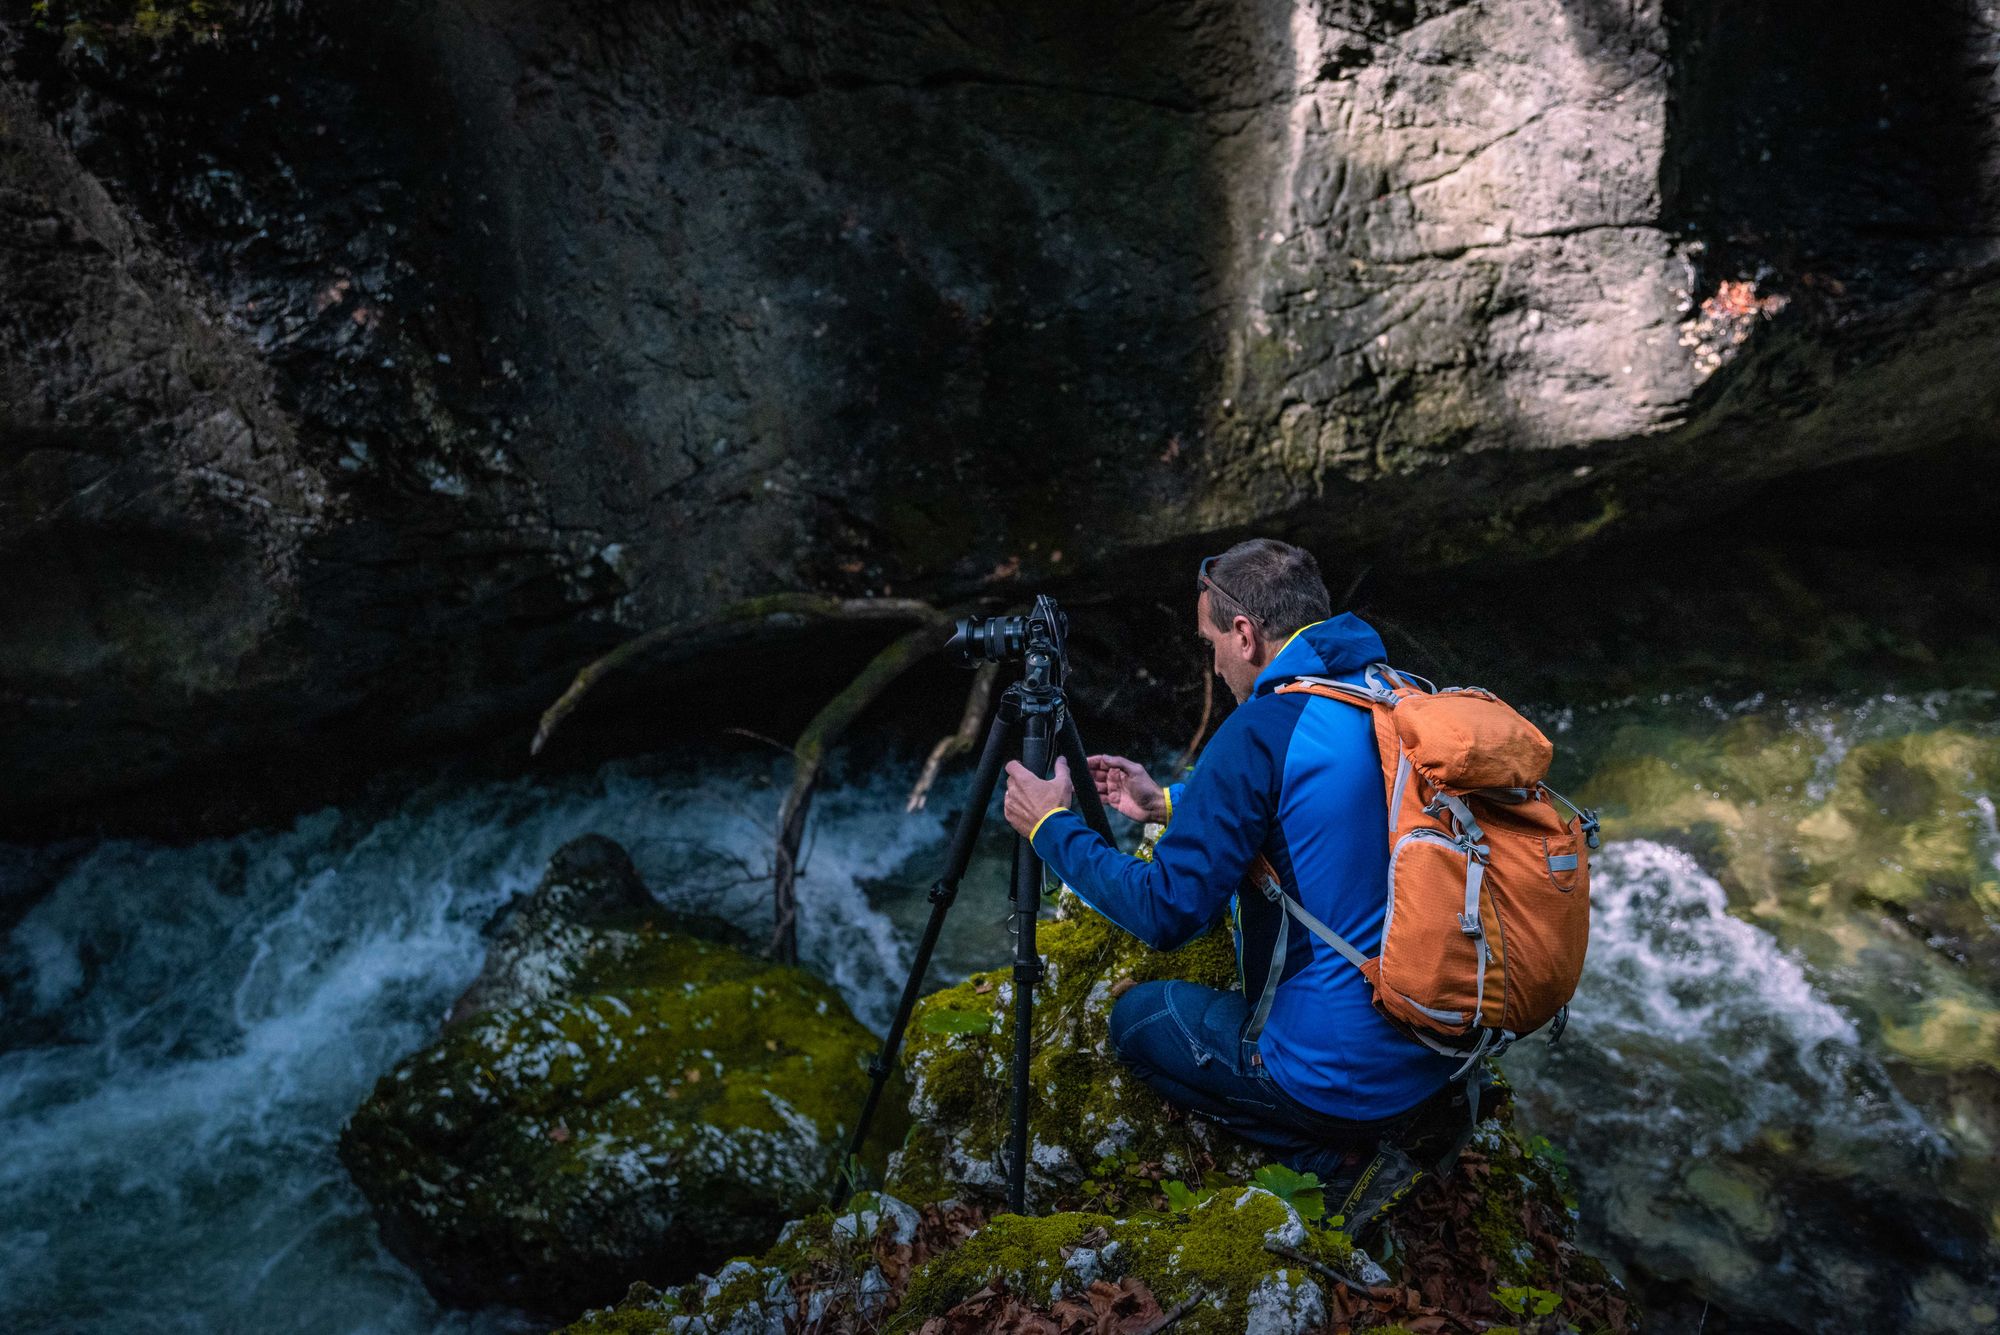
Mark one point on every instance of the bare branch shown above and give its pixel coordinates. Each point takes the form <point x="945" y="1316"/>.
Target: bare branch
<point x="819" y="735"/>
<point x="958" y="743"/>
<point x="1201" y="729"/>
<point x="1174" y="1313"/>
<point x="777" y="609"/>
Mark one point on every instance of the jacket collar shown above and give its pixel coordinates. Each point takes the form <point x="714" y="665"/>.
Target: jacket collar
<point x="1328" y="648"/>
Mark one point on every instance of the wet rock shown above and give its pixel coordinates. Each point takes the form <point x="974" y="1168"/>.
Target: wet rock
<point x="1139" y="1204"/>
<point x="610" y="1103"/>
<point x="590" y="910"/>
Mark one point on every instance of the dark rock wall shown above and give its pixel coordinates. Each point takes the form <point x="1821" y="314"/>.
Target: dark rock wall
<point x="367" y="368"/>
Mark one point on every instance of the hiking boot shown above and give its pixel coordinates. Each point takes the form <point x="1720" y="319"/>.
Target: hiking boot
<point x="1364" y="1197"/>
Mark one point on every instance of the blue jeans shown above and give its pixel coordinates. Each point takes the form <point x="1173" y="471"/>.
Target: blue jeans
<point x="1186" y="1042"/>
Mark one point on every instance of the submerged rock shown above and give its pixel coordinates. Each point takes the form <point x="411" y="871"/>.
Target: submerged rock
<point x="611" y="1102"/>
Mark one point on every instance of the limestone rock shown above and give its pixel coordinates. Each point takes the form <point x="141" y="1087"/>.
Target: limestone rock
<point x="516" y="328"/>
<point x="637" y="1104"/>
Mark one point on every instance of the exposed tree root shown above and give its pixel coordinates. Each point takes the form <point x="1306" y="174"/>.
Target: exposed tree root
<point x="1201" y="729"/>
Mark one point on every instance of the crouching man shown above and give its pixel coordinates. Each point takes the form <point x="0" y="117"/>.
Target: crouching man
<point x="1300" y="1062"/>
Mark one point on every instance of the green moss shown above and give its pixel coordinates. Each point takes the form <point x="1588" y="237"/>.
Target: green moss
<point x="1025" y="1253"/>
<point x="684" y="1109"/>
<point x="1085" y="1105"/>
<point x="1217" y="1252"/>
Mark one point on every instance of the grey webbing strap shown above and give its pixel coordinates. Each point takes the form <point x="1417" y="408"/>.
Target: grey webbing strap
<point x="1367" y="695"/>
<point x="1325" y="933"/>
<point x="1468" y="824"/>
<point x="1478" y="1051"/>
<point x="1479" y="996"/>
<point x="1396" y="797"/>
<point x="1468" y="921"/>
<point x="1280" y="941"/>
<point x="1591" y="838"/>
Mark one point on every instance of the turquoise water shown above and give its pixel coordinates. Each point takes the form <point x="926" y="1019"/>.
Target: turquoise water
<point x="1745" y="1108"/>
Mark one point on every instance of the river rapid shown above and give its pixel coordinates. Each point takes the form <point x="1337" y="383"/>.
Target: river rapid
<point x="1777" y="1092"/>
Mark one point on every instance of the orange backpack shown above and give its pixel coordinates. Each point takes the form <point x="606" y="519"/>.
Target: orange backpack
<point x="1489" y="886"/>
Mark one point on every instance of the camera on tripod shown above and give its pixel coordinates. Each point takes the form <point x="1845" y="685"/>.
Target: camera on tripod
<point x="978" y="640"/>
<point x="1034" y="715"/>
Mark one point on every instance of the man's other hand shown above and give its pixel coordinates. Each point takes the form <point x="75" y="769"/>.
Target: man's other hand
<point x="1125" y="787"/>
<point x="1030" y="798"/>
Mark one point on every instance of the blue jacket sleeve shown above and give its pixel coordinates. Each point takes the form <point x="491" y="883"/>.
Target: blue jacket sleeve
<point x="1221" y="819"/>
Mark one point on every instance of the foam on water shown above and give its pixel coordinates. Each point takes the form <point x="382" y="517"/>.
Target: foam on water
<point x="203" y="1019"/>
<point x="1714" y="1032"/>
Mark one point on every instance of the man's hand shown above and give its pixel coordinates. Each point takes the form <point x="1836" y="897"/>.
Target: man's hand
<point x="1127" y="789"/>
<point x="1030" y="798"/>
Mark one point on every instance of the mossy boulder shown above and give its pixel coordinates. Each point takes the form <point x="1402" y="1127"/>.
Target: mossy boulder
<point x="827" y="1271"/>
<point x="645" y="1103"/>
<point x="1142" y="1205"/>
<point x="1093" y="1126"/>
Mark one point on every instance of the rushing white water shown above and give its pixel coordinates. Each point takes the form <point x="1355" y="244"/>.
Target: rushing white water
<point x="186" y="1029"/>
<point x="1679" y="997"/>
<point x="1729" y="1121"/>
<point x="203" y="1019"/>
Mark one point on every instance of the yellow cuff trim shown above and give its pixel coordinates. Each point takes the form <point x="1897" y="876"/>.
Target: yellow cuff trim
<point x="1167" y="794"/>
<point x="1038" y="824"/>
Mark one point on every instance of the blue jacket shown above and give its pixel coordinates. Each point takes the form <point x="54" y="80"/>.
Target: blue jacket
<point x="1297" y="778"/>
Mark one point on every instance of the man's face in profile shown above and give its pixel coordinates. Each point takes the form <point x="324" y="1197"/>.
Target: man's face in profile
<point x="1236" y="652"/>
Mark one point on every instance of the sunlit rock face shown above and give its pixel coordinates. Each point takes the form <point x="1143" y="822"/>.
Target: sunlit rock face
<point x="613" y="1099"/>
<point x="467" y="336"/>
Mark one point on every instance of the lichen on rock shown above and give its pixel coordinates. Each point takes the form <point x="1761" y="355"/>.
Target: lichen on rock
<point x="655" y="1102"/>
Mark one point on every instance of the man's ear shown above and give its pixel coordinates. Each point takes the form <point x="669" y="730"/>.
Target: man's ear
<point x="1248" y="642"/>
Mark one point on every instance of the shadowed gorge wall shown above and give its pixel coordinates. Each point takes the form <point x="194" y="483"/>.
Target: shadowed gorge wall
<point x="464" y="338"/>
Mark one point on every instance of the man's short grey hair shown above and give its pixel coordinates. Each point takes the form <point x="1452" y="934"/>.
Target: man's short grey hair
<point x="1273" y="583"/>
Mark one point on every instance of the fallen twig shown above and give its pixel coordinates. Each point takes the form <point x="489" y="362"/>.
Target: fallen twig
<point x="1326" y="1271"/>
<point x="961" y="741"/>
<point x="773" y="609"/>
<point x="1174" y="1313"/>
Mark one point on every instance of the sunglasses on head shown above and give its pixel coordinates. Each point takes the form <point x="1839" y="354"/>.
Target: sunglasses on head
<point x="1203" y="580"/>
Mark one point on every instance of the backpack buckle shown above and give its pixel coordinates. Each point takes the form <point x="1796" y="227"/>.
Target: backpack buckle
<point x="1469" y="924"/>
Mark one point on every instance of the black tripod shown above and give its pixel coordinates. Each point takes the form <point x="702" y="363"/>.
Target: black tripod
<point x="1035" y="712"/>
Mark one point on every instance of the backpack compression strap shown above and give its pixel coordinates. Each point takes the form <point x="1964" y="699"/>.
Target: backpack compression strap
<point x="1267" y="881"/>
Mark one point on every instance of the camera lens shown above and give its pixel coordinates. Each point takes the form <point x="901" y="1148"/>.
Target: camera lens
<point x="994" y="639"/>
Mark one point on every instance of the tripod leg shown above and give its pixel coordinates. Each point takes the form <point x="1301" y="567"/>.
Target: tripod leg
<point x="1087" y="801"/>
<point x="1036" y="751"/>
<point x="1000" y="735"/>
